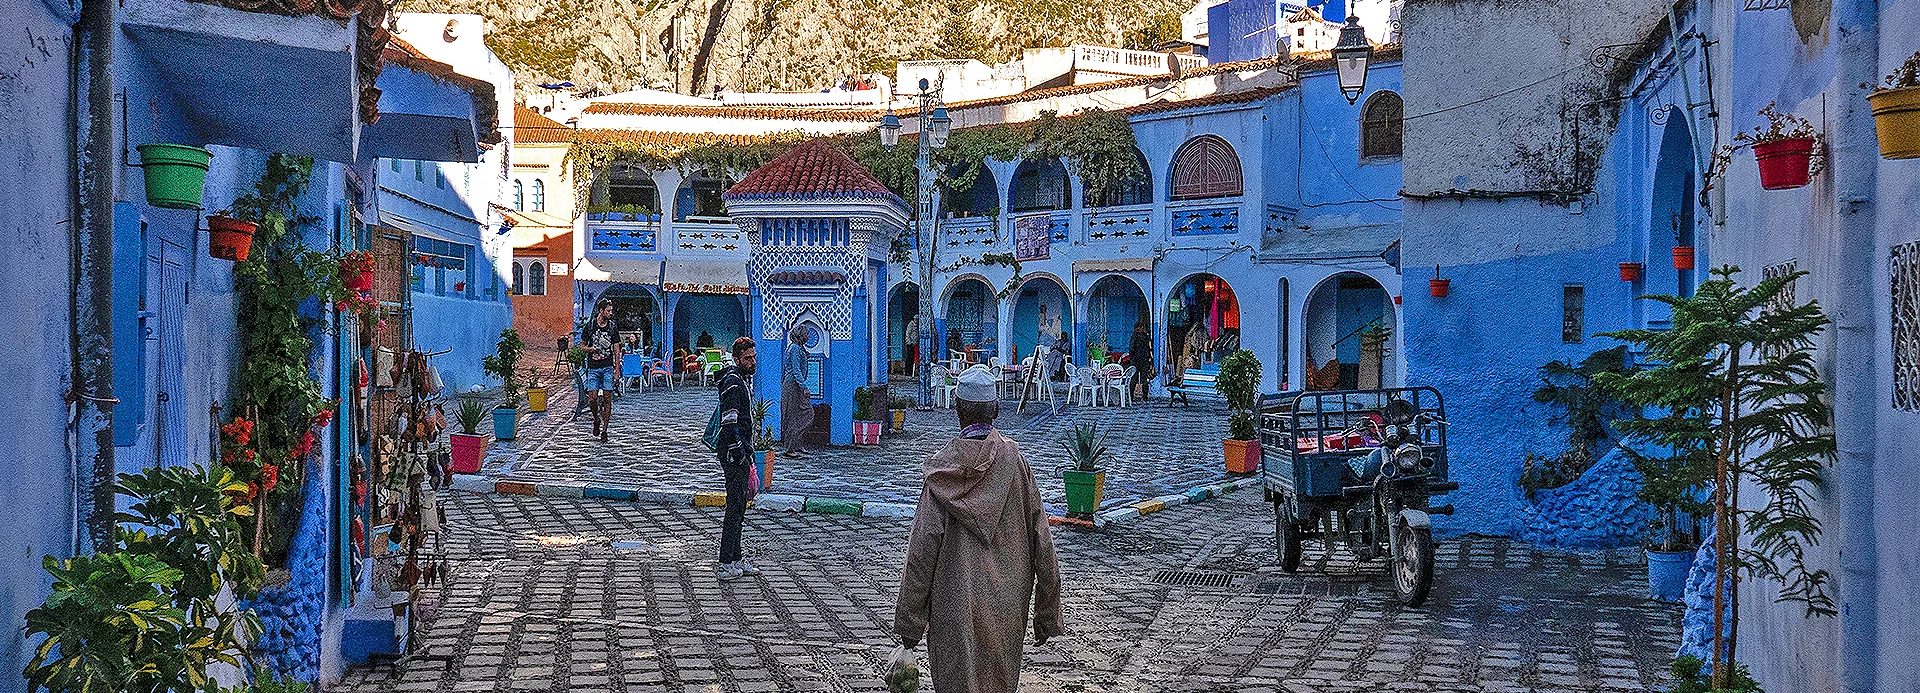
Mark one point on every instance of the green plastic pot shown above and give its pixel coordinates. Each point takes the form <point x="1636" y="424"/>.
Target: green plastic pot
<point x="175" y="174"/>
<point x="1084" y="489"/>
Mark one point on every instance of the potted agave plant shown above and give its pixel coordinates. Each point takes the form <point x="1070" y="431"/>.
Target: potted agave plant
<point x="469" y="443"/>
<point x="1086" y="448"/>
<point x="1896" y="111"/>
<point x="763" y="443"/>
<point x="1239" y="382"/>
<point x="505" y="365"/>
<point x="866" y="429"/>
<point x="1784" y="149"/>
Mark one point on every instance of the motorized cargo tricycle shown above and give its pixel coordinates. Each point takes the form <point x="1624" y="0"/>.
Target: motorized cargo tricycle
<point x="1358" y="467"/>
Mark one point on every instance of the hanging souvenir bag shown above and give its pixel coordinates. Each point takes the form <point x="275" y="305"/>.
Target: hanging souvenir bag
<point x="434" y="383"/>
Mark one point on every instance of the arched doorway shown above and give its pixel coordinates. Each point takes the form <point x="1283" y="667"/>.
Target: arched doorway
<point x="1041" y="316"/>
<point x="972" y="324"/>
<point x="1349" y="335"/>
<point x="1672" y="222"/>
<point x="708" y="320"/>
<point x="1114" y="307"/>
<point x="1203" y="321"/>
<point x="636" y="313"/>
<point x="903" y="328"/>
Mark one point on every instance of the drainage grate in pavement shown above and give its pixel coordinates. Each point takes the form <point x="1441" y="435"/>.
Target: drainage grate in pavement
<point x="1191" y="578"/>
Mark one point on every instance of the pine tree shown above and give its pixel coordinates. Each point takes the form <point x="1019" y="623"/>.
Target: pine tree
<point x="1733" y="388"/>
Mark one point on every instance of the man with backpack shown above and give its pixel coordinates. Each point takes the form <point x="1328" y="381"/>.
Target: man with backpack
<point x="601" y="337"/>
<point x="734" y="445"/>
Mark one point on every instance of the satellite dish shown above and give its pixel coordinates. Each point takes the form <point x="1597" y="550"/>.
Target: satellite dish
<point x="1174" y="69"/>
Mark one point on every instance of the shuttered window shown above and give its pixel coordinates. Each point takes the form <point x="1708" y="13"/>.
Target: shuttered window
<point x="1205" y="167"/>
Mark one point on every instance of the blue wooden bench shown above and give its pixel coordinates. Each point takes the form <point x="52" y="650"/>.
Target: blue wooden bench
<point x="1198" y="382"/>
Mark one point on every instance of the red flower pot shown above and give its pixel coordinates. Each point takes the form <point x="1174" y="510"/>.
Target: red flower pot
<point x="467" y="451"/>
<point x="1631" y="271"/>
<point x="1683" y="257"/>
<point x="1243" y="456"/>
<point x="866" y="433"/>
<point x="1784" y="164"/>
<point x="229" y="238"/>
<point x="1438" y="287"/>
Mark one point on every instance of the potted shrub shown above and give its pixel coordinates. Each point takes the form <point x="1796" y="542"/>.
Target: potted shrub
<point x="1896" y="111"/>
<point x="229" y="238"/>
<point x="505" y="365"/>
<point x="1086" y="448"/>
<point x="536" y="394"/>
<point x="1784" y="149"/>
<point x="763" y="443"/>
<point x="866" y="429"/>
<point x="1239" y="382"/>
<point x="175" y="173"/>
<point x="468" y="445"/>
<point x="1734" y="396"/>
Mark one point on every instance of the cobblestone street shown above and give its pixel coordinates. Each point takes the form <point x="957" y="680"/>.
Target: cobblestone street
<point x="1157" y="450"/>
<point x="574" y="596"/>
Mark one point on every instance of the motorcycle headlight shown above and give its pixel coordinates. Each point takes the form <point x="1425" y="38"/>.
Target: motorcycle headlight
<point x="1408" y="457"/>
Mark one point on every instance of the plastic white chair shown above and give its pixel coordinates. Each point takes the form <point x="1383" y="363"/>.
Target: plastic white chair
<point x="1121" y="383"/>
<point x="943" y="387"/>
<point x="1084" y="391"/>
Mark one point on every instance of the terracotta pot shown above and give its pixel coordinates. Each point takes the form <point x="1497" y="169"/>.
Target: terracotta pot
<point x="1438" y="287"/>
<point x="1631" y="271"/>
<point x="1243" y="456"/>
<point x="1784" y="164"/>
<point x="229" y="238"/>
<point x="1896" y="119"/>
<point x="1683" y="257"/>
<point x="467" y="451"/>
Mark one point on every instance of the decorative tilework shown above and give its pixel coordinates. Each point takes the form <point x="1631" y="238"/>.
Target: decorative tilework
<point x="969" y="232"/>
<point x="1119" y="223"/>
<point x="1279" y="221"/>
<point x="1208" y="221"/>
<point x="716" y="237"/>
<point x="623" y="236"/>
<point x="781" y="302"/>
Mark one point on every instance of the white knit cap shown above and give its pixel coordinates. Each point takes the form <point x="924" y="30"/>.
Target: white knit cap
<point x="977" y="384"/>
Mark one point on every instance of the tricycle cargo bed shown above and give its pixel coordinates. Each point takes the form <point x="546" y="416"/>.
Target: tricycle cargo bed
<point x="1307" y="439"/>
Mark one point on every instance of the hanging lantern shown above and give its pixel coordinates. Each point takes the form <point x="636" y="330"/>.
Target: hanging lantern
<point x="889" y="130"/>
<point x="1350" y="57"/>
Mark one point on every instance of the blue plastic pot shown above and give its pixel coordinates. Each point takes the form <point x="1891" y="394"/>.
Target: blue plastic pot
<point x="504" y="419"/>
<point x="1667" y="574"/>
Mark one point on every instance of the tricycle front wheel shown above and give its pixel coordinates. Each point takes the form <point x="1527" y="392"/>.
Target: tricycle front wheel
<point x="1286" y="532"/>
<point x="1412" y="562"/>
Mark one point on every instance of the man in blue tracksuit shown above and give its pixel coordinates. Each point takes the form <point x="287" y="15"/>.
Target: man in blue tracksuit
<point x="735" y="451"/>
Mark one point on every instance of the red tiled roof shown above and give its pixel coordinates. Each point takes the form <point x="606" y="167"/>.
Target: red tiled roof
<point x="532" y="126"/>
<point x="822" y="113"/>
<point x="652" y="138"/>
<point x="338" y="10"/>
<point x="1209" y="100"/>
<point x="399" y="52"/>
<point x="815" y="168"/>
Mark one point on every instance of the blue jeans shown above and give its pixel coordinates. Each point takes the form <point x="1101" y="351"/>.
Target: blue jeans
<point x="734" y="463"/>
<point x="599" y="378"/>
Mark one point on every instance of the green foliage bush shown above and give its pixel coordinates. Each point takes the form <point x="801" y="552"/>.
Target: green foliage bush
<point x="1239" y="383"/>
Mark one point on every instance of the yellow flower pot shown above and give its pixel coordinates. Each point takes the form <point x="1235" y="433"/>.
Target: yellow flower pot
<point x="1896" y="119"/>
<point x="536" y="399"/>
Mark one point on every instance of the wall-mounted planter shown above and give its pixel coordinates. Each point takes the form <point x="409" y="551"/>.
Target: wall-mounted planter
<point x="1439" y="287"/>
<point x="1784" y="164"/>
<point x="229" y="238"/>
<point x="175" y="173"/>
<point x="1896" y="119"/>
<point x="1683" y="257"/>
<point x="1631" y="271"/>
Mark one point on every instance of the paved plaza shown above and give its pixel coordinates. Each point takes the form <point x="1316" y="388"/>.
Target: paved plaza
<point x="585" y="595"/>
<point x="655" y="445"/>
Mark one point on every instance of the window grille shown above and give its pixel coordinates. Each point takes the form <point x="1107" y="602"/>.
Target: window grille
<point x="537" y="279"/>
<point x="1785" y="299"/>
<point x="1904" y="266"/>
<point x="1380" y="125"/>
<point x="539" y="195"/>
<point x="1573" y="313"/>
<point x="1205" y="167"/>
<point x="519" y="278"/>
<point x="519" y="196"/>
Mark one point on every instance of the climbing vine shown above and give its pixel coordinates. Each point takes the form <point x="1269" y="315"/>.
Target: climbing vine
<point x="718" y="154"/>
<point x="282" y="289"/>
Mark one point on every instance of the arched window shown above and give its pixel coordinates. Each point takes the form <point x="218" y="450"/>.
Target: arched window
<point x="519" y="279"/>
<point x="537" y="279"/>
<point x="629" y="187"/>
<point x="1380" y="125"/>
<point x="519" y="197"/>
<point x="981" y="196"/>
<point x="539" y="195"/>
<point x="699" y="196"/>
<point x="1135" y="190"/>
<point x="1039" y="185"/>
<point x="1205" y="167"/>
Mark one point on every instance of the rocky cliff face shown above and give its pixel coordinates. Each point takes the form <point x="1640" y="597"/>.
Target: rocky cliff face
<point x="696" y="46"/>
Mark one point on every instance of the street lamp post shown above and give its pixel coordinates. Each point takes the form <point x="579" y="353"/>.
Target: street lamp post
<point x="934" y="126"/>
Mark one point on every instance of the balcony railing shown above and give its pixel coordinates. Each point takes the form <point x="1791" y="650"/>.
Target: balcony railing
<point x="1130" y="62"/>
<point x="623" y="232"/>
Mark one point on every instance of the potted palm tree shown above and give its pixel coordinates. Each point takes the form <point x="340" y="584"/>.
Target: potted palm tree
<point x="763" y="443"/>
<point x="866" y="429"/>
<point x="505" y="365"/>
<point x="1239" y="382"/>
<point x="468" y="444"/>
<point x="1086" y="448"/>
<point x="1896" y="111"/>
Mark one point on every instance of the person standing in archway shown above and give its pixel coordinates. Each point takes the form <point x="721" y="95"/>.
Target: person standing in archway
<point x="796" y="403"/>
<point x="1140" y="354"/>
